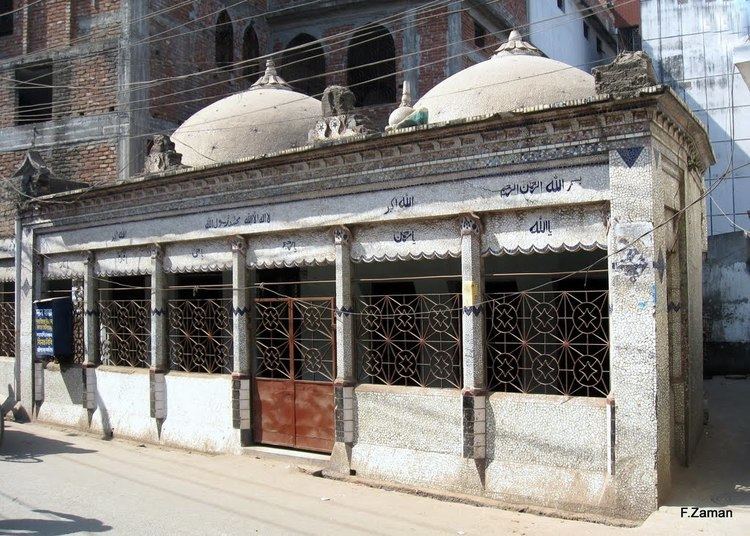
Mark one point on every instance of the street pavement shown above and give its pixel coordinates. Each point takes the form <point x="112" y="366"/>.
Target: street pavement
<point x="57" y="482"/>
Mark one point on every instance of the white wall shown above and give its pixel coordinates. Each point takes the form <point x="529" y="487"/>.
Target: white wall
<point x="560" y="35"/>
<point x="692" y="44"/>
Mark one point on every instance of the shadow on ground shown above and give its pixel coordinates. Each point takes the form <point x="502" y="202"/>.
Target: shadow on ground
<point x="65" y="524"/>
<point x="21" y="447"/>
<point x="719" y="475"/>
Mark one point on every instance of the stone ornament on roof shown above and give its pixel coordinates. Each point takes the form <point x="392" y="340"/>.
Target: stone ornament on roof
<point x="517" y="46"/>
<point x="270" y="78"/>
<point x="405" y="115"/>
<point x="340" y="118"/>
<point x="629" y="73"/>
<point x="162" y="155"/>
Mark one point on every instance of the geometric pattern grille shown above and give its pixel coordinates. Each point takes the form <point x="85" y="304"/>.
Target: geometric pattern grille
<point x="548" y="342"/>
<point x="7" y="329"/>
<point x="125" y="333"/>
<point x="200" y="335"/>
<point x="295" y="339"/>
<point x="410" y="340"/>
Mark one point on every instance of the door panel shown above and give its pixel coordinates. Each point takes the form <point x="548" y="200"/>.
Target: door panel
<point x="295" y="368"/>
<point x="273" y="412"/>
<point x="313" y="407"/>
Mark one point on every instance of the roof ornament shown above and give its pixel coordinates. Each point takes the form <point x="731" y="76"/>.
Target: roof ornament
<point x="270" y="78"/>
<point x="340" y="117"/>
<point x="403" y="111"/>
<point x="405" y="115"/>
<point x="517" y="46"/>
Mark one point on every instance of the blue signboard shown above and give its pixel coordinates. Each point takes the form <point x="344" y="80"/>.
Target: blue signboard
<point x="45" y="329"/>
<point x="53" y="328"/>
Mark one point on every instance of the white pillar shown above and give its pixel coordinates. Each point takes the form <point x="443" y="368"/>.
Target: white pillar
<point x="343" y="387"/>
<point x="241" y="339"/>
<point x="473" y="333"/>
<point x="159" y="341"/>
<point x="90" y="333"/>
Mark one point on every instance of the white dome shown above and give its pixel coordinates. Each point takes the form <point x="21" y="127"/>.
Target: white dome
<point x="516" y="77"/>
<point x="268" y="118"/>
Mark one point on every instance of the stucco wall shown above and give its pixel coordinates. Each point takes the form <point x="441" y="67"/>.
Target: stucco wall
<point x="63" y="396"/>
<point x="7" y="392"/>
<point x="546" y="450"/>
<point x="122" y="399"/>
<point x="726" y="294"/>
<point x="199" y="409"/>
<point x="550" y="450"/>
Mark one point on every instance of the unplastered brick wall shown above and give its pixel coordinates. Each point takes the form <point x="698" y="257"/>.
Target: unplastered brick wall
<point x="95" y="20"/>
<point x="48" y="24"/>
<point x="86" y="85"/>
<point x="12" y="44"/>
<point x="183" y="42"/>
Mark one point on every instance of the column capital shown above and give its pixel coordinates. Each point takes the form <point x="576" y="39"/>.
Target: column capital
<point x="341" y="235"/>
<point x="157" y="252"/>
<point x="239" y="244"/>
<point x="471" y="224"/>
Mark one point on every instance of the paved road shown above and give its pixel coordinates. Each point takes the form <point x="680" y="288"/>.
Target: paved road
<point x="56" y="482"/>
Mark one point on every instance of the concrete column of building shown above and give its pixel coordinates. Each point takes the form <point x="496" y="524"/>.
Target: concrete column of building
<point x="159" y="342"/>
<point x="90" y="333"/>
<point x="241" y="339"/>
<point x="474" y="361"/>
<point x="454" y="39"/>
<point x="28" y="288"/>
<point x="639" y="366"/>
<point x="343" y="387"/>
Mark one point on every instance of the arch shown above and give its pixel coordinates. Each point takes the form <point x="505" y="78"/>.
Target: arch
<point x="224" y="40"/>
<point x="371" y="62"/>
<point x="305" y="68"/>
<point x="250" y="51"/>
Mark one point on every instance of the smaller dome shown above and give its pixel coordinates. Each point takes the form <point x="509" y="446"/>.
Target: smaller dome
<point x="267" y="118"/>
<point x="403" y="111"/>
<point x="517" y="76"/>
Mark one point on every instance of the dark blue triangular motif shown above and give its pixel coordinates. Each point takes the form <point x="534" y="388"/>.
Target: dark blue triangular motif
<point x="630" y="155"/>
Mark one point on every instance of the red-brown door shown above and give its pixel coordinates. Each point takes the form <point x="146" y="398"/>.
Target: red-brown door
<point x="294" y="373"/>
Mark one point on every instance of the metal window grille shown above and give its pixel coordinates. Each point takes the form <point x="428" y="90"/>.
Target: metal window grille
<point x="200" y="335"/>
<point x="79" y="347"/>
<point x="549" y="342"/>
<point x="295" y="339"/>
<point x="125" y="332"/>
<point x="410" y="340"/>
<point x="7" y="329"/>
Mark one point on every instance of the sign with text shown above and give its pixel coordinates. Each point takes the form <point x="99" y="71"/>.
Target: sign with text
<point x="53" y="328"/>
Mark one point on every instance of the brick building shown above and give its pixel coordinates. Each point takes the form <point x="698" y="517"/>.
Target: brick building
<point x="86" y="82"/>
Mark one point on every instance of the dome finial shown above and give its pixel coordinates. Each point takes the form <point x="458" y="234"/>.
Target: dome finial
<point x="270" y="78"/>
<point x="403" y="111"/>
<point x="406" y="94"/>
<point x="517" y="46"/>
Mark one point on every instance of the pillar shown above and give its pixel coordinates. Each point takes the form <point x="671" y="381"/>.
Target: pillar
<point x="90" y="333"/>
<point x="159" y="342"/>
<point x="474" y="360"/>
<point x="343" y="386"/>
<point x="242" y="295"/>
<point x="639" y="360"/>
<point x="28" y="289"/>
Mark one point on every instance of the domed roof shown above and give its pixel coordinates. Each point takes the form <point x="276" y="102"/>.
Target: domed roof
<point x="517" y="76"/>
<point x="267" y="118"/>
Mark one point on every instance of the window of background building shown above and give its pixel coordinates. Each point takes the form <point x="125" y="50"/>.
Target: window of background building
<point x="371" y="59"/>
<point x="561" y="5"/>
<point x="34" y="93"/>
<point x="304" y="65"/>
<point x="6" y="17"/>
<point x="224" y="36"/>
<point x="480" y="35"/>
<point x="629" y="38"/>
<point x="250" y="51"/>
<point x="585" y="30"/>
<point x="599" y="47"/>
